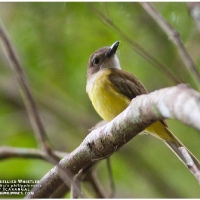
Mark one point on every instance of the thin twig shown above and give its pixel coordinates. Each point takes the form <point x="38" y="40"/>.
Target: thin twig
<point x="137" y="48"/>
<point x="14" y="152"/>
<point x="112" y="184"/>
<point x="30" y="104"/>
<point x="96" y="185"/>
<point x="33" y="113"/>
<point x="24" y="88"/>
<point x="175" y="37"/>
<point x="60" y="192"/>
<point x="78" y="179"/>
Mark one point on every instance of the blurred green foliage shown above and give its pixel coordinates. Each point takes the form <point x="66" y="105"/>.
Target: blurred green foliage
<point x="53" y="42"/>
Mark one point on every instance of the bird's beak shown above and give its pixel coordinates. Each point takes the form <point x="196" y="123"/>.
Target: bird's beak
<point x="112" y="50"/>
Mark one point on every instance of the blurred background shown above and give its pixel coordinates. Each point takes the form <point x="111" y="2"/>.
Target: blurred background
<point x="53" y="42"/>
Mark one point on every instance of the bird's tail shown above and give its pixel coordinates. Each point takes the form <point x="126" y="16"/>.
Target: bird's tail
<point x="160" y="130"/>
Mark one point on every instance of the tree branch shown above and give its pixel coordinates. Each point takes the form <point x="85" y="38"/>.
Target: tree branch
<point x="31" y="107"/>
<point x="96" y="185"/>
<point x="10" y="152"/>
<point x="175" y="102"/>
<point x="175" y="37"/>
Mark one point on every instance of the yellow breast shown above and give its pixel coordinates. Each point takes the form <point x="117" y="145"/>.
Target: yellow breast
<point x="107" y="101"/>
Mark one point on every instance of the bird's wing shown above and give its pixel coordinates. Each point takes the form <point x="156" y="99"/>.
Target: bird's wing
<point x="126" y="83"/>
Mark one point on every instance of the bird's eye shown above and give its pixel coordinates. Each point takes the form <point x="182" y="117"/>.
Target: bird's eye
<point x="96" y="61"/>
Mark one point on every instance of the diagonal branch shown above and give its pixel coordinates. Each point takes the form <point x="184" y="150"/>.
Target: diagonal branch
<point x="175" y="37"/>
<point x="25" y="90"/>
<point x="175" y="102"/>
<point x="31" y="107"/>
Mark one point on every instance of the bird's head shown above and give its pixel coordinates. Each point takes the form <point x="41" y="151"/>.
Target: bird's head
<point x="103" y="58"/>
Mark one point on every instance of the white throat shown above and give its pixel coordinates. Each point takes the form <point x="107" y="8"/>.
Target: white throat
<point x="113" y="62"/>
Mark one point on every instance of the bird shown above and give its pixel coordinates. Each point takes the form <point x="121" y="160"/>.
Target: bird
<point x="111" y="90"/>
